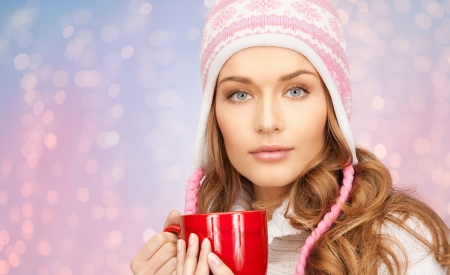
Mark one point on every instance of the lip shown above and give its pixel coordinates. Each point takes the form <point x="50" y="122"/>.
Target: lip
<point x="271" y="152"/>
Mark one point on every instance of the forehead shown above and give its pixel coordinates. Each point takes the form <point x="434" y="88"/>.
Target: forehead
<point x="273" y="60"/>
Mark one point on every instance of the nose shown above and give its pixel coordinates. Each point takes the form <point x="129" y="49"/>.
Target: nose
<point x="268" y="116"/>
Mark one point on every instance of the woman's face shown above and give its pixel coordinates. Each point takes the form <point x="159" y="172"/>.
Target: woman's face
<point x="271" y="109"/>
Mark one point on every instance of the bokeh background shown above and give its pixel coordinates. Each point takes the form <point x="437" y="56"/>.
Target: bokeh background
<point x="99" y="102"/>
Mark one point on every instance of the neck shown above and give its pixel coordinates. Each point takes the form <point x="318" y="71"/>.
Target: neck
<point x="269" y="198"/>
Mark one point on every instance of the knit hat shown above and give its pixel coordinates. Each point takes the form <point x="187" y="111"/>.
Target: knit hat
<point x="310" y="27"/>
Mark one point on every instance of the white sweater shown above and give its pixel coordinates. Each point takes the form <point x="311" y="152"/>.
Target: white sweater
<point x="285" y="243"/>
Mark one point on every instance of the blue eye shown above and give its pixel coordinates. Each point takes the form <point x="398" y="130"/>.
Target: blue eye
<point x="240" y="96"/>
<point x="296" y="92"/>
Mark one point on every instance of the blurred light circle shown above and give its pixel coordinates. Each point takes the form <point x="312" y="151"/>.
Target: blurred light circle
<point x="400" y="45"/>
<point x="101" y="140"/>
<point x="403" y="6"/>
<point x="144" y="55"/>
<point x="154" y="140"/>
<point x="83" y="194"/>
<point x="380" y="48"/>
<point x="27" y="227"/>
<point x="438" y="130"/>
<point x="91" y="120"/>
<point x="447" y="160"/>
<point x="38" y="108"/>
<point x="47" y="117"/>
<point x="60" y="78"/>
<point x="29" y="81"/>
<point x="44" y="248"/>
<point x="25" y="40"/>
<point x="88" y="58"/>
<point x="98" y="212"/>
<point x="14" y="260"/>
<point x="209" y="3"/>
<point x="442" y="36"/>
<point x="423" y="21"/>
<point x="417" y="102"/>
<point x="174" y="173"/>
<point x="73" y="221"/>
<point x="380" y="151"/>
<point x="435" y="9"/>
<point x="19" y="247"/>
<point x="50" y="141"/>
<point x="74" y="49"/>
<point x="92" y="166"/>
<point x="27" y="211"/>
<point x="159" y="38"/>
<point x="395" y="176"/>
<point x="193" y="34"/>
<point x="21" y="61"/>
<point x="52" y="197"/>
<point x="422" y="64"/>
<point x="85" y="36"/>
<point x="362" y="6"/>
<point x="114" y="90"/>
<point x="422" y="146"/>
<point x="35" y="61"/>
<point x="136" y="21"/>
<point x="381" y="8"/>
<point x="82" y="17"/>
<point x="442" y="108"/>
<point x="113" y="60"/>
<point x="366" y="54"/>
<point x="20" y="18"/>
<point x="84" y="146"/>
<point x="65" y="270"/>
<point x="60" y="97"/>
<point x="395" y="160"/>
<point x="164" y="56"/>
<point x="68" y="32"/>
<point x="88" y="269"/>
<point x="390" y="105"/>
<point x="91" y="101"/>
<point x="14" y="215"/>
<point x="4" y="266"/>
<point x="28" y="150"/>
<point x="29" y="96"/>
<point x="145" y="9"/>
<point x="3" y="197"/>
<point x="168" y="97"/>
<point x="112" y="138"/>
<point x="116" y="237"/>
<point x="439" y="80"/>
<point x="26" y="190"/>
<point x="111" y="213"/>
<point x="46" y="216"/>
<point x="110" y="34"/>
<point x="6" y="168"/>
<point x="384" y="26"/>
<point x="117" y="111"/>
<point x="368" y="35"/>
<point x="127" y="51"/>
<point x="356" y="72"/>
<point x="378" y="102"/>
<point x="444" y="64"/>
<point x="112" y="260"/>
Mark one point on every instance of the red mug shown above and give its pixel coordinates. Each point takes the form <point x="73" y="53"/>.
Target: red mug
<point x="238" y="238"/>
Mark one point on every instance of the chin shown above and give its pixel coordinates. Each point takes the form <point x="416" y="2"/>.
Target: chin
<point x="271" y="179"/>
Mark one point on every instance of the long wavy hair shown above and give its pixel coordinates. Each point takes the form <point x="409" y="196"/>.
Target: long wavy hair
<point x="355" y="243"/>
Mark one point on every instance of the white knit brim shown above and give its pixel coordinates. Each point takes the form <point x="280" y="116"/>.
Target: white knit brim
<point x="277" y="40"/>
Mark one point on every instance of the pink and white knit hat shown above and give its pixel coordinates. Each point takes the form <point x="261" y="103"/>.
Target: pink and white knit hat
<point x="310" y="27"/>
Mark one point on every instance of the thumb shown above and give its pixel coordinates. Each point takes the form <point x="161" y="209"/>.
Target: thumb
<point x="172" y="218"/>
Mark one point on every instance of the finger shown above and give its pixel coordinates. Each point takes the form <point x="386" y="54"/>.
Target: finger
<point x="153" y="245"/>
<point x="217" y="266"/>
<point x="172" y="218"/>
<point x="168" y="268"/>
<point x="202" y="266"/>
<point x="166" y="254"/>
<point x="181" y="256"/>
<point x="190" y="263"/>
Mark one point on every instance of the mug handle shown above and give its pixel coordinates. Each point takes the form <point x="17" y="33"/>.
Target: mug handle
<point x="173" y="228"/>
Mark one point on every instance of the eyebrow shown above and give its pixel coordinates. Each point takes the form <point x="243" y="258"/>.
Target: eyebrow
<point x="282" y="78"/>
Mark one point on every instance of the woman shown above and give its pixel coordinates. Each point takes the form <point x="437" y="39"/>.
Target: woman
<point x="274" y="134"/>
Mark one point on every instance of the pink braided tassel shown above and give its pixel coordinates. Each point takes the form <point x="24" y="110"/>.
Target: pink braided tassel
<point x="327" y="221"/>
<point x="190" y="206"/>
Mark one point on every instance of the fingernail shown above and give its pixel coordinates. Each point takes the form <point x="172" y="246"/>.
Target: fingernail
<point x="213" y="257"/>
<point x="191" y="239"/>
<point x="204" y="242"/>
<point x="179" y="245"/>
